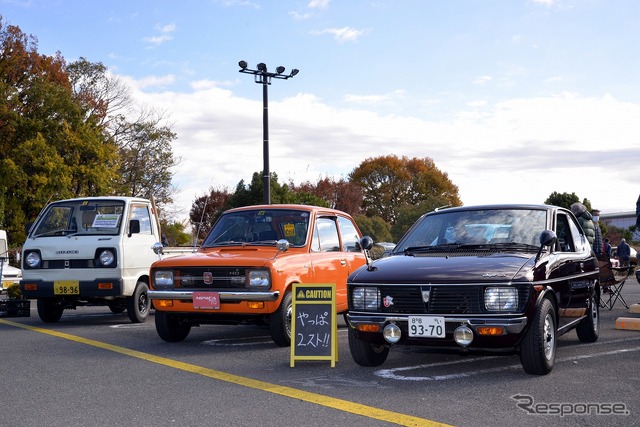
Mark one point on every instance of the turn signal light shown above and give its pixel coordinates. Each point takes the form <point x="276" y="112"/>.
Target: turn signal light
<point x="163" y="302"/>
<point x="366" y="327"/>
<point x="490" y="330"/>
<point x="255" y="304"/>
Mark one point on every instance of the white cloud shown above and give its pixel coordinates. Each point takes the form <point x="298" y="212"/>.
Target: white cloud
<point x="520" y="150"/>
<point x="318" y="4"/>
<point x="165" y="34"/>
<point x="343" y="34"/>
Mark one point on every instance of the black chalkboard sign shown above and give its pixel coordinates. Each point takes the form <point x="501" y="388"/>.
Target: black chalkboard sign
<point x="314" y="329"/>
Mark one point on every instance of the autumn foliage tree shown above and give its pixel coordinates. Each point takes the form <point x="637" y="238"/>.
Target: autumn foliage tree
<point x="390" y="183"/>
<point x="71" y="130"/>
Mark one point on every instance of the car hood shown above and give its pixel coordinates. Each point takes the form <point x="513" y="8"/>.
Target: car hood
<point x="495" y="267"/>
<point x="10" y="271"/>
<point x="226" y="256"/>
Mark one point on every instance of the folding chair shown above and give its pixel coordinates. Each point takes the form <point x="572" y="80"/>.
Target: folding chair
<point x="613" y="279"/>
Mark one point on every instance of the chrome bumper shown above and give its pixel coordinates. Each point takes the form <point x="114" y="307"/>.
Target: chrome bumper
<point x="224" y="295"/>
<point x="511" y="325"/>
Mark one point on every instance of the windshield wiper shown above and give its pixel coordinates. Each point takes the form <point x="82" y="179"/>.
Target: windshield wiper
<point x="56" y="232"/>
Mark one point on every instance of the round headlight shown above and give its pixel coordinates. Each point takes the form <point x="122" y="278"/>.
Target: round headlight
<point x="106" y="257"/>
<point x="463" y="335"/>
<point x="391" y="333"/>
<point x="32" y="260"/>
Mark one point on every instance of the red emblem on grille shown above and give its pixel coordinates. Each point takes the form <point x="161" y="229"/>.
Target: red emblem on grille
<point x="207" y="277"/>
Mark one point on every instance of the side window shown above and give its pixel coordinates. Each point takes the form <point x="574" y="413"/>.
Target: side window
<point x="141" y="213"/>
<point x="350" y="237"/>
<point x="325" y="236"/>
<point x="565" y="238"/>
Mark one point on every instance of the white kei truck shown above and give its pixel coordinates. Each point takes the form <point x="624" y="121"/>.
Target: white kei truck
<point x="92" y="251"/>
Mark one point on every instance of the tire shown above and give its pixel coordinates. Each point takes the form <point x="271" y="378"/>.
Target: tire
<point x="49" y="310"/>
<point x="589" y="329"/>
<point x="366" y="353"/>
<point x="280" y="322"/>
<point x="538" y="348"/>
<point x="138" y="304"/>
<point x="170" y="328"/>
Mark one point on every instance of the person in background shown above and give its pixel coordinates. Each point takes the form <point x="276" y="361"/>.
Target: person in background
<point x="586" y="221"/>
<point x="624" y="253"/>
<point x="606" y="248"/>
<point x="597" y="239"/>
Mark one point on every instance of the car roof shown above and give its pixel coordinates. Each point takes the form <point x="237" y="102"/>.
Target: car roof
<point x="308" y="208"/>
<point x="499" y="206"/>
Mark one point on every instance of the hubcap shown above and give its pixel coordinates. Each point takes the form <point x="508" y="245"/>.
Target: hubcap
<point x="548" y="337"/>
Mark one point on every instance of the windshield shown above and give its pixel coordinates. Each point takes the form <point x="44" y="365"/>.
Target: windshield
<point x="80" y="217"/>
<point x="476" y="227"/>
<point x="260" y="227"/>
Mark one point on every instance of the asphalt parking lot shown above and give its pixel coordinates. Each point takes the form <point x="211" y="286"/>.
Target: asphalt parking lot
<point x="95" y="368"/>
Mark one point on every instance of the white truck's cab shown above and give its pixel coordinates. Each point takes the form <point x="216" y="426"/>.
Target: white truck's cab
<point x="10" y="274"/>
<point x="91" y="251"/>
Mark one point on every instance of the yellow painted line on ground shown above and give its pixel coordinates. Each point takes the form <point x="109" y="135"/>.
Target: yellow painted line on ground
<point x="628" y="323"/>
<point x="318" y="399"/>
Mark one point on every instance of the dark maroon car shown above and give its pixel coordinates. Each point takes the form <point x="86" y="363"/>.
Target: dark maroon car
<point x="497" y="278"/>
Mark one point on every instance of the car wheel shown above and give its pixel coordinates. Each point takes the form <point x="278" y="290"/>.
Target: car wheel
<point x="538" y="348"/>
<point x="138" y="304"/>
<point x="49" y="310"/>
<point x="170" y="328"/>
<point x="589" y="329"/>
<point x="366" y="353"/>
<point x="280" y="322"/>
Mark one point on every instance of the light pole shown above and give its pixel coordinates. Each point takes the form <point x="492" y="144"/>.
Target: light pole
<point x="263" y="77"/>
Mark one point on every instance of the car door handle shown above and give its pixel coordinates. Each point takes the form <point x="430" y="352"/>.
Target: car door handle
<point x="343" y="262"/>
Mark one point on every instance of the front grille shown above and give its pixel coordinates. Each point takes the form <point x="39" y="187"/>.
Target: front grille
<point x="456" y="299"/>
<point x="443" y="299"/>
<point x="211" y="277"/>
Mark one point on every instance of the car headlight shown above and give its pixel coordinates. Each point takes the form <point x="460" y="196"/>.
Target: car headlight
<point x="33" y="260"/>
<point x="501" y="299"/>
<point x="163" y="279"/>
<point x="106" y="257"/>
<point x="259" y="279"/>
<point x="365" y="298"/>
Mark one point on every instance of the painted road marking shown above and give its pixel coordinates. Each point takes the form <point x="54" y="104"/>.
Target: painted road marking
<point x="318" y="399"/>
<point x="396" y="373"/>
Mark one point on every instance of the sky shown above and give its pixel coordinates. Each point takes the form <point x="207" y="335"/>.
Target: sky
<point x="512" y="99"/>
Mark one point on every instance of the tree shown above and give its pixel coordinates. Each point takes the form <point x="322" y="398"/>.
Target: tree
<point x="389" y="183"/>
<point x="48" y="148"/>
<point x="565" y="200"/>
<point x="374" y="227"/>
<point x="206" y="209"/>
<point x="146" y="159"/>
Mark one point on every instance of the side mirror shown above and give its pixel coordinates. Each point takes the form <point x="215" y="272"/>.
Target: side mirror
<point x="366" y="243"/>
<point x="157" y="248"/>
<point x="134" y="226"/>
<point x="547" y="238"/>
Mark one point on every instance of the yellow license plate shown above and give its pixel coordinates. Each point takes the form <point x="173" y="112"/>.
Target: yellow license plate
<point x="66" y="287"/>
<point x="6" y="284"/>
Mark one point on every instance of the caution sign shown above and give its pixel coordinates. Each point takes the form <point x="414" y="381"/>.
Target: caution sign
<point x="314" y="329"/>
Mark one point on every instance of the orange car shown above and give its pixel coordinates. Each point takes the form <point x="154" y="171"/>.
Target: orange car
<point x="244" y="271"/>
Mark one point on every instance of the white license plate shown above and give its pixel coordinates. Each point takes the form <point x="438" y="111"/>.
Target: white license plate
<point x="426" y="326"/>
